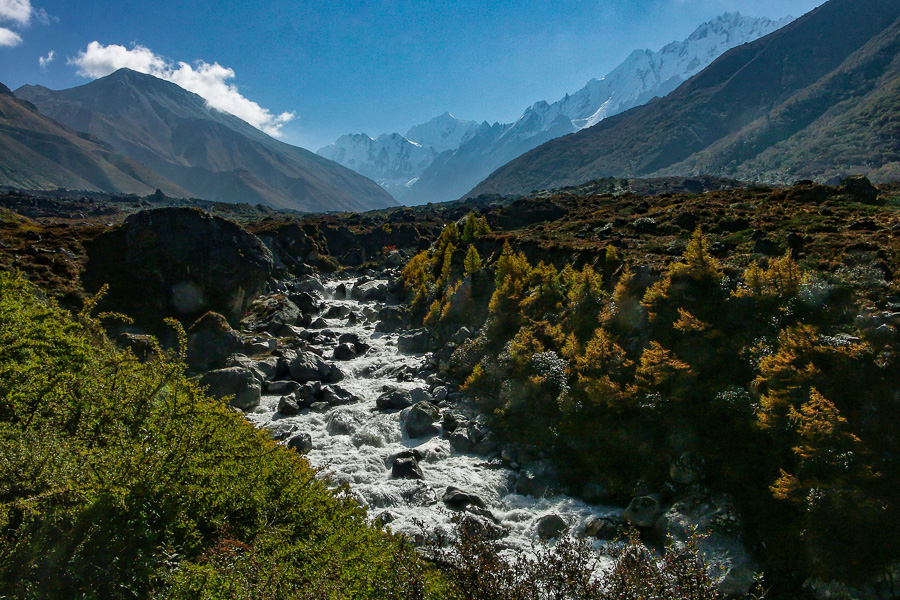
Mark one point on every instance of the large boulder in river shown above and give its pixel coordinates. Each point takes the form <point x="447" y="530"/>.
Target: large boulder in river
<point x="211" y="340"/>
<point x="312" y="367"/>
<point x="420" y="421"/>
<point x="178" y="262"/>
<point x="376" y="290"/>
<point x="642" y="511"/>
<point x="272" y="313"/>
<point x="394" y="399"/>
<point x="414" y="342"/>
<point x="551" y="526"/>
<point x="239" y="383"/>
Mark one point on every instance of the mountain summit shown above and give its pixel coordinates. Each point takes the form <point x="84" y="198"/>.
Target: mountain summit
<point x="812" y="100"/>
<point x="466" y="152"/>
<point x="212" y="154"/>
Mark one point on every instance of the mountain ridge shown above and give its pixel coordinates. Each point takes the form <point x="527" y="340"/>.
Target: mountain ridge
<point x="212" y="154"/>
<point x="686" y="132"/>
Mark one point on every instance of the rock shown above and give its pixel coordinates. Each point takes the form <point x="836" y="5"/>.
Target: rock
<point x="302" y="443"/>
<point x="439" y="394"/>
<point x="319" y="323"/>
<point x="860" y="189"/>
<point x="604" y="528"/>
<point x="337" y="312"/>
<point x="272" y="313"/>
<point x="309" y="284"/>
<point x="551" y="526"/>
<point x="310" y="367"/>
<point x="457" y="499"/>
<point x="408" y="453"/>
<point x="687" y="469"/>
<point x="264" y="370"/>
<point x="642" y="511"/>
<point x="308" y="303"/>
<point x="645" y="225"/>
<point x="394" y="259"/>
<point x="384" y="518"/>
<point x="716" y="516"/>
<point x="179" y="262"/>
<point x="370" y="291"/>
<point x="335" y="395"/>
<point x="484" y="527"/>
<point x="420" y="420"/>
<point x="359" y="347"/>
<point x="340" y="292"/>
<point x="210" y="340"/>
<point x="394" y="399"/>
<point x="406" y="468"/>
<point x="237" y="382"/>
<point x="414" y="342"/>
<point x="460" y="442"/>
<point x="288" y="405"/>
<point x="595" y="493"/>
<point x="282" y="387"/>
<point x="344" y="352"/>
<point x="420" y="395"/>
<point x="392" y="318"/>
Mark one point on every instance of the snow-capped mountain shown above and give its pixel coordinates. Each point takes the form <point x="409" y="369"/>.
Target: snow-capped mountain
<point x="641" y="77"/>
<point x="391" y="160"/>
<point x="466" y="152"/>
<point x="396" y="161"/>
<point x="442" y="133"/>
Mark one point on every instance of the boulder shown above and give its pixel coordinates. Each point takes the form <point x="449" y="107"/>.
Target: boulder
<point x="210" y="340"/>
<point x="311" y="367"/>
<point x="394" y="399"/>
<point x="340" y="423"/>
<point x="264" y="370"/>
<point x="337" y="312"/>
<point x="414" y="342"/>
<point x="306" y="302"/>
<point x="642" y="511"/>
<point x="717" y="518"/>
<point x="288" y="405"/>
<point x="371" y="291"/>
<point x="282" y="387"/>
<point x="302" y="443"/>
<point x="457" y="499"/>
<point x="420" y="420"/>
<point x="406" y="468"/>
<point x="178" y="262"/>
<point x="551" y="526"/>
<point x="273" y="314"/>
<point x="344" y="352"/>
<point x="392" y="318"/>
<point x="687" y="469"/>
<point x="309" y="284"/>
<point x="460" y="442"/>
<point x="340" y="292"/>
<point x="239" y="383"/>
<point x="860" y="189"/>
<point x="604" y="528"/>
<point x="335" y="395"/>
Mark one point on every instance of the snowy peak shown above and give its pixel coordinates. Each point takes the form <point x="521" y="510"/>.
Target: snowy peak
<point x="444" y="132"/>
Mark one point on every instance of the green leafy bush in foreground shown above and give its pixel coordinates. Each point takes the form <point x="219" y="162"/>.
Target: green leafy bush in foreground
<point x="121" y="479"/>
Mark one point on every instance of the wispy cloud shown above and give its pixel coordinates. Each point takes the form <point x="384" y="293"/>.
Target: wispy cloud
<point x="46" y="60"/>
<point x="19" y="14"/>
<point x="209" y="81"/>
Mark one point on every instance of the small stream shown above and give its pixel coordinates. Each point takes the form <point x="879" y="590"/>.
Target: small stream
<point x="355" y="443"/>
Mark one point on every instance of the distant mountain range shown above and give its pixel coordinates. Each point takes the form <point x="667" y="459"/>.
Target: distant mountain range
<point x="423" y="167"/>
<point x="211" y="154"/>
<point x="817" y="98"/>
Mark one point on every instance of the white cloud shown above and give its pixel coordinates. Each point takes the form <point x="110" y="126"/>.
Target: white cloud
<point x="18" y="11"/>
<point x="9" y="37"/>
<point x="209" y="81"/>
<point x="46" y="60"/>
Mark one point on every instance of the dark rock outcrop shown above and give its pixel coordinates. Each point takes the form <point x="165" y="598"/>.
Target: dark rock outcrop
<point x="238" y="383"/>
<point x="178" y="262"/>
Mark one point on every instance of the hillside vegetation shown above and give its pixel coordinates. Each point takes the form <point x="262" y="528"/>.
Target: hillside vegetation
<point x="744" y="340"/>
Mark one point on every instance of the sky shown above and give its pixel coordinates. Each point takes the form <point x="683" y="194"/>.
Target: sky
<point x="310" y="71"/>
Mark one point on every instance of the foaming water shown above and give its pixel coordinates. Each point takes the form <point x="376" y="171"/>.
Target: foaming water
<point x="353" y="444"/>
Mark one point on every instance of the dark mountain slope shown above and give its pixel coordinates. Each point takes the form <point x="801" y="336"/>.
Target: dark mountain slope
<point x="792" y="67"/>
<point x="38" y="153"/>
<point x="212" y="154"/>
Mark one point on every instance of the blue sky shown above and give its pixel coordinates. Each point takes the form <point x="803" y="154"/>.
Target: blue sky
<point x="313" y="70"/>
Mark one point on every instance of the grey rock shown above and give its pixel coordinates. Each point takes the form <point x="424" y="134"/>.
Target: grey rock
<point x="394" y="399"/>
<point x="344" y="352"/>
<point x="335" y="395"/>
<point x="288" y="405"/>
<point x="414" y="342"/>
<point x="642" y="511"/>
<point x="551" y="526"/>
<point x="392" y="318"/>
<point x="310" y="367"/>
<point x="457" y="499"/>
<point x="302" y="443"/>
<point x="420" y="420"/>
<point x="282" y="387"/>
<point x="604" y="528"/>
<point x="406" y="468"/>
<point x="370" y="291"/>
<point x="237" y="382"/>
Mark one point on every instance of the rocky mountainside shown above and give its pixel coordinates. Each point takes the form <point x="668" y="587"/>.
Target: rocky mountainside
<point x="38" y="153"/>
<point x="812" y="100"/>
<point x="396" y="161"/>
<point x="466" y="153"/>
<point x="211" y="154"/>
